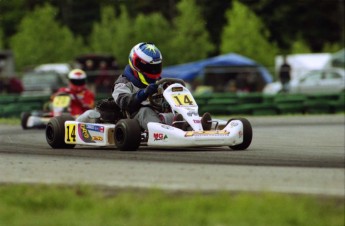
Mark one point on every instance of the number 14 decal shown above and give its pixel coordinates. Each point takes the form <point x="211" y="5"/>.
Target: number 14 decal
<point x="183" y="99"/>
<point x="70" y="133"/>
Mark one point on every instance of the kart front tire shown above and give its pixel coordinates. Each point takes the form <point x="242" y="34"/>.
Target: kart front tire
<point x="55" y="132"/>
<point x="24" y="117"/>
<point x="127" y="134"/>
<point x="247" y="135"/>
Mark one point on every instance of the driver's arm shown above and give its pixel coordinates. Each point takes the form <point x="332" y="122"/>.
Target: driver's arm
<point x="124" y="97"/>
<point x="128" y="99"/>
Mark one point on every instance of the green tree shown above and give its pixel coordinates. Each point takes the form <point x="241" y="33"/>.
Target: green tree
<point x="214" y="13"/>
<point x="10" y="13"/>
<point x="153" y="28"/>
<point x="1" y="40"/>
<point x="190" y="40"/>
<point x="124" y="36"/>
<point x="245" y="34"/>
<point x="317" y="22"/>
<point x="40" y="39"/>
<point x="299" y="46"/>
<point x="101" y="38"/>
<point x="332" y="47"/>
<point x="117" y="32"/>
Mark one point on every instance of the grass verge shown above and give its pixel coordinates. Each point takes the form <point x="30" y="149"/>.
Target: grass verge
<point x="90" y="206"/>
<point x="10" y="121"/>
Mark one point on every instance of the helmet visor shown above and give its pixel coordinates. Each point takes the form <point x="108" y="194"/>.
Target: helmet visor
<point x="78" y="82"/>
<point x="153" y="69"/>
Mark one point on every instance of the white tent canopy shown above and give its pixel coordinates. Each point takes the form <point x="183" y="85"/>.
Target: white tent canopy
<point x="302" y="63"/>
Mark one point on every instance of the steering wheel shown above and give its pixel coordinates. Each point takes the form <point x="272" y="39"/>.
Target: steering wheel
<point x="164" y="81"/>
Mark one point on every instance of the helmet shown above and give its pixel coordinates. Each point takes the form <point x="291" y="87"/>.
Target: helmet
<point x="145" y="59"/>
<point x="77" y="78"/>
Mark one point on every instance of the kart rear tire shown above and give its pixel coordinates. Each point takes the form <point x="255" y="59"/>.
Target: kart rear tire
<point x="55" y="132"/>
<point x="247" y="135"/>
<point x="127" y="135"/>
<point x="24" y="117"/>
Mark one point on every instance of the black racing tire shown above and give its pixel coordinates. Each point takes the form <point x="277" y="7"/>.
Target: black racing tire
<point x="247" y="135"/>
<point x="24" y="117"/>
<point x="127" y="134"/>
<point x="55" y="132"/>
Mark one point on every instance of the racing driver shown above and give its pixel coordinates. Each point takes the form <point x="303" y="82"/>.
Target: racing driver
<point x="138" y="82"/>
<point x="82" y="99"/>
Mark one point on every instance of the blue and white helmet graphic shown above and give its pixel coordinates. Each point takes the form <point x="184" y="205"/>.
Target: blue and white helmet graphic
<point x="146" y="60"/>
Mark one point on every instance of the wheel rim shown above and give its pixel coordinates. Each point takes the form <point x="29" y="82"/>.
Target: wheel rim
<point x="119" y="136"/>
<point x="50" y="133"/>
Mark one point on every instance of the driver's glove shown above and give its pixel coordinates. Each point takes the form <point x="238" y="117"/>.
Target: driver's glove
<point x="143" y="94"/>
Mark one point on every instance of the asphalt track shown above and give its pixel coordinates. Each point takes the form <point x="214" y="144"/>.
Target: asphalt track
<point x="294" y="154"/>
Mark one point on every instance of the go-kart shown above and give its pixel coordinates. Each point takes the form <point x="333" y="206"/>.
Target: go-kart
<point x="39" y="119"/>
<point x="127" y="135"/>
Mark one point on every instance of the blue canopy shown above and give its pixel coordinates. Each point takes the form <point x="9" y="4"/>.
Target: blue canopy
<point x="190" y="71"/>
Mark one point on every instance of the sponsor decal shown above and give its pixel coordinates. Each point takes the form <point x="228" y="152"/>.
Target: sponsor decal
<point x="84" y="134"/>
<point x="240" y="134"/>
<point x="97" y="138"/>
<point x="233" y="124"/>
<point x="159" y="136"/>
<point x="177" y="89"/>
<point x="80" y="96"/>
<point x="167" y="127"/>
<point x="207" y="133"/>
<point x="196" y="121"/>
<point x="120" y="85"/>
<point x="95" y="128"/>
<point x="191" y="113"/>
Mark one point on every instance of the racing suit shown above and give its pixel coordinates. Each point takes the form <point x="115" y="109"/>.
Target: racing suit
<point x="80" y="100"/>
<point x="125" y="96"/>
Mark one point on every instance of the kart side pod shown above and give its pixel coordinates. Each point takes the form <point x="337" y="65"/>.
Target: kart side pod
<point x="64" y="132"/>
<point x="237" y="134"/>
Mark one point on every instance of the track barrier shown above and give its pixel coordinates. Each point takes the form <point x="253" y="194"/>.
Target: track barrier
<point x="215" y="103"/>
